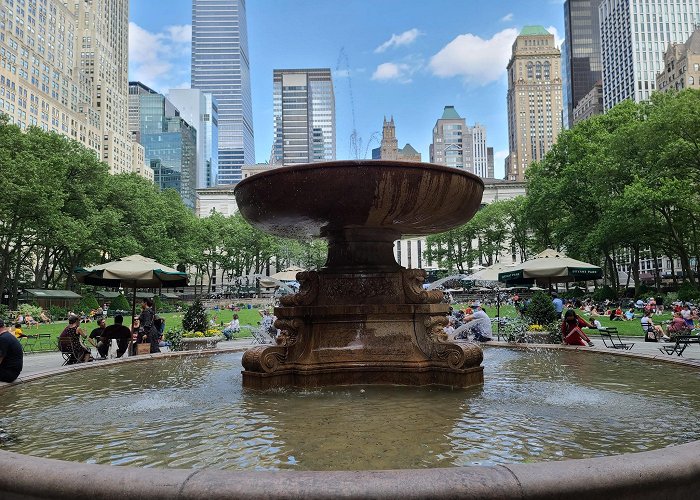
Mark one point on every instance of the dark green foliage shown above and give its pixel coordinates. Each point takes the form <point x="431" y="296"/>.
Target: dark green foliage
<point x="573" y="293"/>
<point x="195" y="319"/>
<point x="58" y="313"/>
<point x="120" y="304"/>
<point x="688" y="293"/>
<point x="174" y="336"/>
<point x="603" y="293"/>
<point x="540" y="310"/>
<point x="88" y="303"/>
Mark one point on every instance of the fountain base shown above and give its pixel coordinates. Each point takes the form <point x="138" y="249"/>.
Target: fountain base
<point x="395" y="336"/>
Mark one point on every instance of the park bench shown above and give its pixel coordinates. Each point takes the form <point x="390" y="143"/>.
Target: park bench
<point x="615" y="342"/>
<point x="682" y="342"/>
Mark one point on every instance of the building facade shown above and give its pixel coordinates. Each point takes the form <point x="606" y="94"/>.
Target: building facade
<point x="221" y="67"/>
<point x="201" y="111"/>
<point x="634" y="35"/>
<point x="590" y="105"/>
<point x="389" y="147"/>
<point x="303" y="116"/>
<point x="169" y="142"/>
<point x="681" y="65"/>
<point x="458" y="145"/>
<point x="409" y="251"/>
<point x="581" y="64"/>
<point x="64" y="68"/>
<point x="534" y="99"/>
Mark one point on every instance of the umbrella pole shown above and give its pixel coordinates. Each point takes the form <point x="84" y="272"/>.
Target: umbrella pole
<point x="498" y="315"/>
<point x="133" y="315"/>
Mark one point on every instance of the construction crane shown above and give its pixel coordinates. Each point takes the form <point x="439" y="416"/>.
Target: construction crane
<point x="356" y="150"/>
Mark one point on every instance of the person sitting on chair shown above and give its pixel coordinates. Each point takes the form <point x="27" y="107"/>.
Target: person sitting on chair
<point x="45" y="318"/>
<point x="678" y="326"/>
<point x="652" y="332"/>
<point x="118" y="331"/>
<point x="571" y="329"/>
<point x="70" y="342"/>
<point x="97" y="336"/>
<point x="232" y="328"/>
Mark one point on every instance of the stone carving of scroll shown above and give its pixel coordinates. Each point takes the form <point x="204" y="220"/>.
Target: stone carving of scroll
<point x="263" y="359"/>
<point x="413" y="280"/>
<point x="458" y="355"/>
<point x="307" y="292"/>
<point x="289" y="331"/>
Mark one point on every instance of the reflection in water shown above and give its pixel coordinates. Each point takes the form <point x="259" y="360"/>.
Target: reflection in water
<point x="192" y="413"/>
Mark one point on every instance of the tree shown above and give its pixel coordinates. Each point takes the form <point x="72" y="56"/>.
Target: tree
<point x="195" y="318"/>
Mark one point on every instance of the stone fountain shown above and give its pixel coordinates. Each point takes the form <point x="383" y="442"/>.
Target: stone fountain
<point x="361" y="319"/>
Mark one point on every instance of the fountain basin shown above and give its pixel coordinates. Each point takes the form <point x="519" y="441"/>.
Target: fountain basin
<point x="672" y="472"/>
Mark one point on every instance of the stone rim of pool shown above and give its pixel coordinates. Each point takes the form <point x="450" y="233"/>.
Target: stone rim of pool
<point x="672" y="472"/>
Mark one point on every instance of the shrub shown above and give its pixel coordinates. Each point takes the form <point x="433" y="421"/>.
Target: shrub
<point x="195" y="318"/>
<point x="4" y="310"/>
<point x="88" y="303"/>
<point x="30" y="309"/>
<point x="540" y="310"/>
<point x="120" y="304"/>
<point x="688" y="293"/>
<point x="58" y="313"/>
<point x="603" y="293"/>
<point x="174" y="336"/>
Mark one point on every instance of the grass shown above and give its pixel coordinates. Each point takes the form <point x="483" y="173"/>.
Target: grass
<point x="632" y="328"/>
<point x="172" y="320"/>
<point x="251" y="317"/>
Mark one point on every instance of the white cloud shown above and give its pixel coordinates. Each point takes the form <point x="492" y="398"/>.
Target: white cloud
<point x="508" y="17"/>
<point x="405" y="38"/>
<point x="557" y="39"/>
<point x="477" y="60"/>
<point x="160" y="60"/>
<point x="393" y="71"/>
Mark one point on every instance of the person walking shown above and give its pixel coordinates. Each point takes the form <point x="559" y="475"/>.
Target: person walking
<point x="558" y="304"/>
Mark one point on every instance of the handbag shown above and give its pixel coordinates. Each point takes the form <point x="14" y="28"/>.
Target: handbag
<point x="143" y="348"/>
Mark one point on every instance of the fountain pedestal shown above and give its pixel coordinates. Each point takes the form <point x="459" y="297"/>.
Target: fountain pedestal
<point x="362" y="319"/>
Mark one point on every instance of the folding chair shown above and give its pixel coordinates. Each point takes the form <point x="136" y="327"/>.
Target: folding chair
<point x="260" y="336"/>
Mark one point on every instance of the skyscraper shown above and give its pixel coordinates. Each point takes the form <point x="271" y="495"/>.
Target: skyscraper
<point x="303" y="115"/>
<point x="534" y="99"/>
<point x="458" y="145"/>
<point x="581" y="67"/>
<point x="634" y="35"/>
<point x="64" y="69"/>
<point x="200" y="110"/>
<point x="221" y="67"/>
<point x="170" y="143"/>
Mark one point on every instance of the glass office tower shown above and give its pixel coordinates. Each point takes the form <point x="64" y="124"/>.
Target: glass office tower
<point x="220" y="66"/>
<point x="581" y="65"/>
<point x="304" y="116"/>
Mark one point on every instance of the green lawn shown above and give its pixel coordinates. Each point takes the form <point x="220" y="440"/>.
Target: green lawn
<point x="631" y="328"/>
<point x="172" y="320"/>
<point x="252" y="317"/>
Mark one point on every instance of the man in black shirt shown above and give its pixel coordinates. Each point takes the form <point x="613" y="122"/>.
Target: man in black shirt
<point x="11" y="355"/>
<point x="98" y="338"/>
<point x="120" y="332"/>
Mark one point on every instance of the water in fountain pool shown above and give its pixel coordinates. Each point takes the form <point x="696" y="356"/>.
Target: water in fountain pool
<point x="191" y="412"/>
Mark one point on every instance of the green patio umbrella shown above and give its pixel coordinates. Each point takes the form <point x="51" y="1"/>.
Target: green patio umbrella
<point x="134" y="271"/>
<point x="550" y="266"/>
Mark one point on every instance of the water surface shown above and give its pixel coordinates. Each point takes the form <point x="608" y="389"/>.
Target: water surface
<point x="191" y="412"/>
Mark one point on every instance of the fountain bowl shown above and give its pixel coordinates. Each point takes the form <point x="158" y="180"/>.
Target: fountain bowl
<point x="311" y="200"/>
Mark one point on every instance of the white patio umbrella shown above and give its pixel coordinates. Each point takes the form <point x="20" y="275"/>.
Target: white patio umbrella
<point x="551" y="266"/>
<point x="288" y="274"/>
<point x="134" y="271"/>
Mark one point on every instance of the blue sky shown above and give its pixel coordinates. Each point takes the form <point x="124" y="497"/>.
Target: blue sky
<point x="405" y="58"/>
